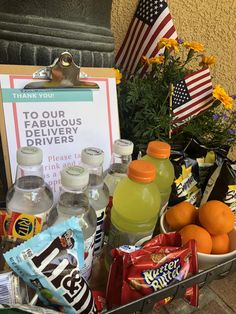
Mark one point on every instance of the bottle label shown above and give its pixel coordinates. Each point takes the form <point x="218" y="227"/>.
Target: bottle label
<point x="99" y="237"/>
<point x="44" y="216"/>
<point x="88" y="257"/>
<point x="107" y="220"/>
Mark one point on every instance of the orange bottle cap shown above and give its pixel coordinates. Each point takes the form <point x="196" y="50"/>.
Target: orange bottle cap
<point x="158" y="149"/>
<point x="141" y="171"/>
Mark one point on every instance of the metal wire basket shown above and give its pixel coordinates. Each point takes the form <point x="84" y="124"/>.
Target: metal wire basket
<point x="145" y="304"/>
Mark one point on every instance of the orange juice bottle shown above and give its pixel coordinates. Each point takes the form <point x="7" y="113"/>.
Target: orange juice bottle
<point x="158" y="154"/>
<point x="136" y="203"/>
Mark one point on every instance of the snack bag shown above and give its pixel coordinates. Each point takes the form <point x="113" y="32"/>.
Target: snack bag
<point x="222" y="185"/>
<point x="12" y="289"/>
<point x="50" y="263"/>
<point x="24" y="309"/>
<point x="24" y="226"/>
<point x="4" y="222"/>
<point x="207" y="158"/>
<point x="100" y="300"/>
<point x="141" y="272"/>
<point x="186" y="186"/>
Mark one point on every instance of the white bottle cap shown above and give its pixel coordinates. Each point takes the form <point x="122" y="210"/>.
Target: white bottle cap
<point x="29" y="156"/>
<point x="74" y="177"/>
<point x="92" y="156"/>
<point x="123" y="147"/>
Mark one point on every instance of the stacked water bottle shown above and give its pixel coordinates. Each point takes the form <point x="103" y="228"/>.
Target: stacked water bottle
<point x="119" y="206"/>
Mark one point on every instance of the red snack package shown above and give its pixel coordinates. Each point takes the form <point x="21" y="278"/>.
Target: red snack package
<point x="150" y="269"/>
<point x="4" y="219"/>
<point x="99" y="299"/>
<point x="165" y="239"/>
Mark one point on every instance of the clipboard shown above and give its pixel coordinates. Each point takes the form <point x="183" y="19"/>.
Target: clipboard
<point x="101" y="76"/>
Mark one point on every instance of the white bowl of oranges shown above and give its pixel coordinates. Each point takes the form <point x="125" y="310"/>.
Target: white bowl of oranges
<point x="212" y="226"/>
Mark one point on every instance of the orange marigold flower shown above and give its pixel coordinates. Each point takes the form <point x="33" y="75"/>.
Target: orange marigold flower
<point x="168" y="43"/>
<point x="157" y="60"/>
<point x="118" y="76"/>
<point x="207" y="60"/>
<point x="194" y="45"/>
<point x="146" y="60"/>
<point x="153" y="60"/>
<point x="220" y="94"/>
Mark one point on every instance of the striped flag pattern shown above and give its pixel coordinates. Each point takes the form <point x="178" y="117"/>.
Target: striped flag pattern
<point x="192" y="95"/>
<point x="151" y="22"/>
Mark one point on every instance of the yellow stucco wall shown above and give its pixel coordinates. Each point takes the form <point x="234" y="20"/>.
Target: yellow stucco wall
<point x="211" y="22"/>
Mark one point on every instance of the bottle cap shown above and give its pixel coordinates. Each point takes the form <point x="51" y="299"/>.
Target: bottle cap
<point x="141" y="171"/>
<point x="29" y="156"/>
<point x="92" y="156"/>
<point x="158" y="149"/>
<point x="123" y="147"/>
<point x="74" y="177"/>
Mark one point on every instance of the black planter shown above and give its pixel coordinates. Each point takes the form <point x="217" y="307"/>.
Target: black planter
<point x="36" y="32"/>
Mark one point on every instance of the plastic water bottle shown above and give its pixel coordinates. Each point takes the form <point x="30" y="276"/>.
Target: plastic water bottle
<point x="158" y="154"/>
<point x="92" y="158"/>
<point x="120" y="160"/>
<point x="30" y="194"/>
<point x="136" y="203"/>
<point x="121" y="157"/>
<point x="73" y="201"/>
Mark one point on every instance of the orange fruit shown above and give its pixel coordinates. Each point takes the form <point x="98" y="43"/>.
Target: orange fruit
<point x="216" y="217"/>
<point x="200" y="235"/>
<point x="180" y="215"/>
<point x="220" y="244"/>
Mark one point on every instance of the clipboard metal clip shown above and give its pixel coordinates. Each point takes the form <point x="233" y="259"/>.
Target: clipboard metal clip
<point x="63" y="73"/>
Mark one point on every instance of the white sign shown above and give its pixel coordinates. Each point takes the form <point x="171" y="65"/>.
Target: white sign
<point x="60" y="122"/>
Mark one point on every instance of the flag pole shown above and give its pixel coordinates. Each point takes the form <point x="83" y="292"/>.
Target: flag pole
<point x="171" y="109"/>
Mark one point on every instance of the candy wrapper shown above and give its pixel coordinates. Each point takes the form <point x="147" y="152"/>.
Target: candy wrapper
<point x="19" y="308"/>
<point x="151" y="268"/>
<point x="12" y="289"/>
<point x="50" y="264"/>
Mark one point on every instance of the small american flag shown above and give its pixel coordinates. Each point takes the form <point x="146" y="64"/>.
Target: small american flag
<point x="192" y="95"/>
<point x="151" y="22"/>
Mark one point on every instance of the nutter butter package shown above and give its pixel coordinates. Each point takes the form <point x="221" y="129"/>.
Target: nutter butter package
<point x="136" y="273"/>
<point x="50" y="263"/>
